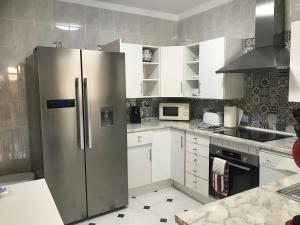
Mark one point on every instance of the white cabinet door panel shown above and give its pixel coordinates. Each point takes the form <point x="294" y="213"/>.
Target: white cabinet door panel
<point x="294" y="86"/>
<point x="171" y="71"/>
<point x="134" y="69"/>
<point x="177" y="155"/>
<point x="210" y="60"/>
<point x="161" y="155"/>
<point x="139" y="166"/>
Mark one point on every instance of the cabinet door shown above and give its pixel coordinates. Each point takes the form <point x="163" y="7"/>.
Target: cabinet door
<point x="139" y="166"/>
<point x="177" y="155"/>
<point x="134" y="70"/>
<point x="161" y="155"/>
<point x="294" y="87"/>
<point x="210" y="60"/>
<point x="172" y="71"/>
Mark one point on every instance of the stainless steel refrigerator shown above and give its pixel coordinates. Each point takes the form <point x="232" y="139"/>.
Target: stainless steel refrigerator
<point x="77" y="124"/>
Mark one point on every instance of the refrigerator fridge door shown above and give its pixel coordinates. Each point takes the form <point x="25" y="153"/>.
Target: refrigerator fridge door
<point x="59" y="72"/>
<point x="106" y="143"/>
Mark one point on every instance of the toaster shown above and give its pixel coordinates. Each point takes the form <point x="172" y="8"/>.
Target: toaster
<point x="215" y="119"/>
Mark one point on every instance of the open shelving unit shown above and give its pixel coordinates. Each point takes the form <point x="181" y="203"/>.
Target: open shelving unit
<point x="191" y="71"/>
<point x="151" y="74"/>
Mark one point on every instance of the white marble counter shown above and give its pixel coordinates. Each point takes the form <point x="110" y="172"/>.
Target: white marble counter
<point x="254" y="207"/>
<point x="283" y="146"/>
<point x="29" y="203"/>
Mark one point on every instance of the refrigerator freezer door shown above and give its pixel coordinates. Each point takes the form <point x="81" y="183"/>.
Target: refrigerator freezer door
<point x="62" y="133"/>
<point x="106" y="161"/>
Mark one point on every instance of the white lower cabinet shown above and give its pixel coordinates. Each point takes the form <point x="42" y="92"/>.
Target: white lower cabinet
<point x="177" y="155"/>
<point x="139" y="165"/>
<point x="161" y="155"/>
<point x="196" y="183"/>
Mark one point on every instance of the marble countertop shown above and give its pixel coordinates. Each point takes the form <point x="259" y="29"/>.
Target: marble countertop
<point x="29" y="203"/>
<point x="257" y="206"/>
<point x="283" y="146"/>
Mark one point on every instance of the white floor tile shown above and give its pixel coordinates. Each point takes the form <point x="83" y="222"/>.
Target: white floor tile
<point x="186" y="203"/>
<point x="135" y="214"/>
<point x="151" y="199"/>
<point x="166" y="210"/>
<point x="171" y="193"/>
<point x="140" y="217"/>
<point x="84" y="223"/>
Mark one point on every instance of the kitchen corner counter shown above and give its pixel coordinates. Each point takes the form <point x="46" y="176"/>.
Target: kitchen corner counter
<point x="283" y="146"/>
<point x="29" y="203"/>
<point x="261" y="205"/>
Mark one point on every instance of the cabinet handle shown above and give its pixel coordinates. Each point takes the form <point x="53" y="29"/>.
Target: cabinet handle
<point x="181" y="87"/>
<point x="150" y="154"/>
<point x="181" y="142"/>
<point x="142" y="88"/>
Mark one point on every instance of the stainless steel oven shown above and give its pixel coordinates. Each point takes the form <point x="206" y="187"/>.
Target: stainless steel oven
<point x="243" y="169"/>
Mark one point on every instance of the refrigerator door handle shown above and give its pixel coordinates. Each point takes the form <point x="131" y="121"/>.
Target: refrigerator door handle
<point x="87" y="113"/>
<point x="79" y="113"/>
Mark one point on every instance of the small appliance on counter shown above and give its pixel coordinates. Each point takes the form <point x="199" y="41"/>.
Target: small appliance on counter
<point x="174" y="111"/>
<point x="135" y="114"/>
<point x="211" y="121"/>
<point x="232" y="116"/>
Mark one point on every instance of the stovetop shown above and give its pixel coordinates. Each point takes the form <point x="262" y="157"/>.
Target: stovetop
<point x="254" y="135"/>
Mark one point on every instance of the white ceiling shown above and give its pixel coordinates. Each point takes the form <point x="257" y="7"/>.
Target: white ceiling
<point x="167" y="6"/>
<point x="165" y="9"/>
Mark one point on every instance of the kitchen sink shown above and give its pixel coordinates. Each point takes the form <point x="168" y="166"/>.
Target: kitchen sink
<point x="292" y="192"/>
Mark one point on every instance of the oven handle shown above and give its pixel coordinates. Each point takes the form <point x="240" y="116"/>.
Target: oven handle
<point x="235" y="165"/>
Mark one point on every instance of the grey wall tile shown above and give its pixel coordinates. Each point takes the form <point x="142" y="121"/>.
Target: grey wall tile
<point x="25" y="34"/>
<point x="121" y="35"/>
<point x="120" y="21"/>
<point x="106" y="37"/>
<point x="61" y="12"/>
<point x="7" y="57"/>
<point x="133" y="23"/>
<point x="22" y="53"/>
<point x="77" y="38"/>
<point x="24" y="10"/>
<point x="295" y="10"/>
<point x="106" y="20"/>
<point x="92" y="18"/>
<point x="7" y="8"/>
<point x="91" y="39"/>
<point x="44" y="34"/>
<point x="43" y="10"/>
<point x="77" y="15"/>
<point x="61" y="36"/>
<point x="7" y="34"/>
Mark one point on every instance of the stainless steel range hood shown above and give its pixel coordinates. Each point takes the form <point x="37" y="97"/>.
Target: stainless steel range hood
<point x="270" y="53"/>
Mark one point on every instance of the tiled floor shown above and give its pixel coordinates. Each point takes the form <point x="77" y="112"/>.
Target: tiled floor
<point x="156" y="208"/>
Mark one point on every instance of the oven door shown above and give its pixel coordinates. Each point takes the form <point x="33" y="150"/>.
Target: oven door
<point x="242" y="176"/>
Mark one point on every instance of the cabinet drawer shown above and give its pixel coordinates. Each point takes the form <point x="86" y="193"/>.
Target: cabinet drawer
<point x="197" y="184"/>
<point x="198" y="139"/>
<point x="197" y="165"/>
<point x="139" y="138"/>
<point x="197" y="149"/>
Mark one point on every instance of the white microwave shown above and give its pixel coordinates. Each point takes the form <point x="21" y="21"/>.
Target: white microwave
<point x="174" y="111"/>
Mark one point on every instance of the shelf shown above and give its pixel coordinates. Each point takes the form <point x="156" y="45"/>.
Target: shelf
<point x="153" y="80"/>
<point x="192" y="79"/>
<point x="151" y="63"/>
<point x="193" y="62"/>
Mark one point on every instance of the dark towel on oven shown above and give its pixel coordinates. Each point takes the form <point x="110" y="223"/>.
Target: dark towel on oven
<point x="220" y="177"/>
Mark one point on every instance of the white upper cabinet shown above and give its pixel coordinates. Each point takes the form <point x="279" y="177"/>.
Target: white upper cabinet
<point x="213" y="55"/>
<point x="294" y="86"/>
<point x="172" y="71"/>
<point x="134" y="70"/>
